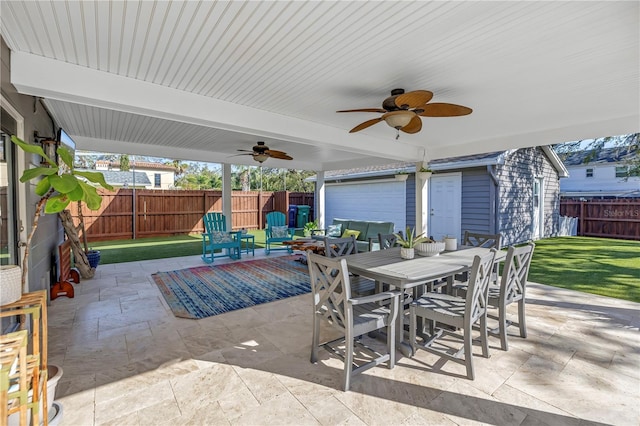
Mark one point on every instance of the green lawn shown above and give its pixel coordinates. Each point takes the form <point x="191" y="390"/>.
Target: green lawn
<point x="595" y="265"/>
<point x="118" y="251"/>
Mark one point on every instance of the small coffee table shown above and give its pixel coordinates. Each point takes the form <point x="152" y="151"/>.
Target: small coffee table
<point x="304" y="244"/>
<point x="249" y="243"/>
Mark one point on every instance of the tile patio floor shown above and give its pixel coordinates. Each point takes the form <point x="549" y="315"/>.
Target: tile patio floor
<point x="128" y="361"/>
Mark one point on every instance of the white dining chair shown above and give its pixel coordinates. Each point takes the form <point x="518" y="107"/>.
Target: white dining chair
<point x="510" y="289"/>
<point x="337" y="247"/>
<point x="457" y="312"/>
<point x="354" y="317"/>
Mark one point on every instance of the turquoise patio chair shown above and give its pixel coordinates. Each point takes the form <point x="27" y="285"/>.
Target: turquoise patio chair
<point x="216" y="238"/>
<point x="277" y="232"/>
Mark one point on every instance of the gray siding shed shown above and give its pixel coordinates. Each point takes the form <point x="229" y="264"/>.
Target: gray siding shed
<point x="516" y="177"/>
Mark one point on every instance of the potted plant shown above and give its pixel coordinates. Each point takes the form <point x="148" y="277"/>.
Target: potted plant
<point x="408" y="242"/>
<point x="401" y="176"/>
<point x="59" y="185"/>
<point x="309" y="227"/>
<point x="424" y="173"/>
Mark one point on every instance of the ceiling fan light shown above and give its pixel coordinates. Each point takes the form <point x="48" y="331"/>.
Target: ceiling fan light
<point x="398" y="119"/>
<point x="261" y="157"/>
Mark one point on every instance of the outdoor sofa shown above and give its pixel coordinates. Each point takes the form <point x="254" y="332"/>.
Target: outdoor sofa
<point x="365" y="231"/>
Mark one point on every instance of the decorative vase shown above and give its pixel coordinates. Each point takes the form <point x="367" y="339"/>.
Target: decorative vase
<point x="93" y="256"/>
<point x="450" y="243"/>
<point x="407" y="253"/>
<point x="430" y="249"/>
<point x="10" y="284"/>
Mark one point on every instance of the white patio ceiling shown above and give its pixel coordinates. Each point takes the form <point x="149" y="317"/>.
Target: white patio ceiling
<point x="198" y="80"/>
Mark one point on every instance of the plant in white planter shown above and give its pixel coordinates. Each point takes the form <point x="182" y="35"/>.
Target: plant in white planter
<point x="401" y="176"/>
<point x="408" y="242"/>
<point x="59" y="185"/>
<point x="309" y="227"/>
<point x="424" y="173"/>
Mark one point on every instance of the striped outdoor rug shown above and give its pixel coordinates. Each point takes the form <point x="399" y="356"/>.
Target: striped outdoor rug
<point x="211" y="290"/>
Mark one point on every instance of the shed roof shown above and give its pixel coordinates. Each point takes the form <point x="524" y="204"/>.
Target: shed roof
<point x="465" y="161"/>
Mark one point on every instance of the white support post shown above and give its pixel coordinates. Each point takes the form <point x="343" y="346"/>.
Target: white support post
<point x="319" y="200"/>
<point x="422" y="202"/>
<point x="226" y="194"/>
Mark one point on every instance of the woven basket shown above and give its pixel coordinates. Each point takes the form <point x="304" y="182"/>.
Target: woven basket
<point x="10" y="284"/>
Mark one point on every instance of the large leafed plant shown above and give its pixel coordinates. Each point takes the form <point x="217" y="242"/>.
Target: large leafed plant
<point x="60" y="184"/>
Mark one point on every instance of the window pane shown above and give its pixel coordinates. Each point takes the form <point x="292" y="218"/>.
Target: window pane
<point x="621" y="172"/>
<point x="589" y="173"/>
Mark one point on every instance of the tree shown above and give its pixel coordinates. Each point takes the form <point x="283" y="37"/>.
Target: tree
<point x="626" y="145"/>
<point x="59" y="185"/>
<point x="179" y="166"/>
<point x="125" y="166"/>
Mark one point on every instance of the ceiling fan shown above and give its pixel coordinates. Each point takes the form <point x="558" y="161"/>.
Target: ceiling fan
<point x="402" y="111"/>
<point x="262" y="153"/>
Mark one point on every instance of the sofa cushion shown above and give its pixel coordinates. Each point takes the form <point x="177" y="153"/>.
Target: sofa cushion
<point x="359" y="225"/>
<point x="362" y="246"/>
<point x="349" y="232"/>
<point x="334" y="230"/>
<point x="376" y="228"/>
<point x="344" y="223"/>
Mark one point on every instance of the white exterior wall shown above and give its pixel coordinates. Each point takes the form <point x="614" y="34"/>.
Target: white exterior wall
<point x="166" y="179"/>
<point x="376" y="200"/>
<point x="604" y="179"/>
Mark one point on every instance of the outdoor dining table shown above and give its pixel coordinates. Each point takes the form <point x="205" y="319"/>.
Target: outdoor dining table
<point x="388" y="267"/>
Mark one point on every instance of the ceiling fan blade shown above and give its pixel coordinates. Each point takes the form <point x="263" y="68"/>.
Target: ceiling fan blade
<point x="414" y="126"/>
<point x="380" y="110"/>
<point x="413" y="99"/>
<point x="444" y="110"/>
<point x="245" y="150"/>
<point x="279" y="155"/>
<point x="284" y="157"/>
<point x="366" y="124"/>
<point x="237" y="155"/>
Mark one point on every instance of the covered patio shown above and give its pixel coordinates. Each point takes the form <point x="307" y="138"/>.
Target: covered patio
<point x="125" y="365"/>
<point x="202" y="80"/>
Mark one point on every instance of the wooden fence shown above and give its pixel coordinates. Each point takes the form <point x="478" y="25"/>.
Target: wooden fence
<point x="165" y="213"/>
<point x="605" y="218"/>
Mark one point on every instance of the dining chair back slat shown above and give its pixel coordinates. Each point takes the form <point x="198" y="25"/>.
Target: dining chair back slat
<point x="337" y="247"/>
<point x="475" y="239"/>
<point x="512" y="289"/>
<point x="457" y="312"/>
<point x="353" y="317"/>
<point x="387" y="241"/>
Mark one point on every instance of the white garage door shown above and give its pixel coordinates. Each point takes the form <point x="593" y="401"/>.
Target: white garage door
<point x="381" y="201"/>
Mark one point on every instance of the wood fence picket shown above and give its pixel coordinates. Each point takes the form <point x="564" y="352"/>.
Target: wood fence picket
<point x="171" y="212"/>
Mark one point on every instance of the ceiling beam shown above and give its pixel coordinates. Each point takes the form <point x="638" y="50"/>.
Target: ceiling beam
<point x="48" y="78"/>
